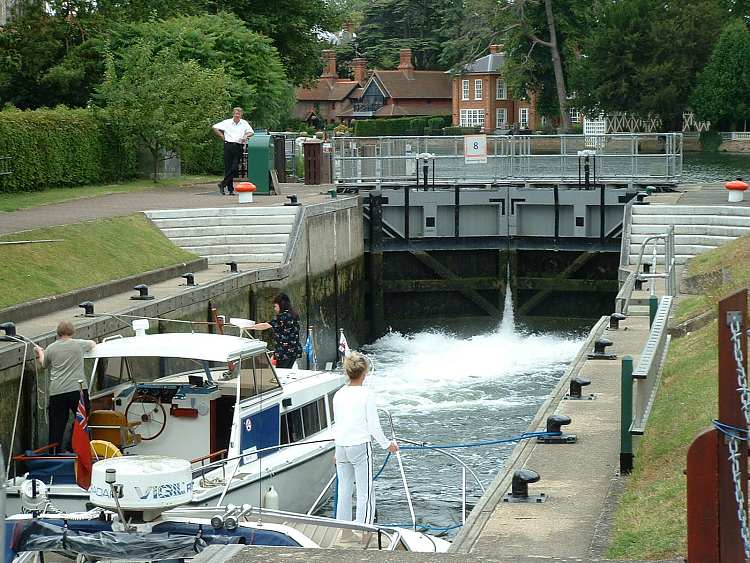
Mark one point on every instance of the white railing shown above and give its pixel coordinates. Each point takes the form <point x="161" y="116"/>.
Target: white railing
<point x="735" y="136"/>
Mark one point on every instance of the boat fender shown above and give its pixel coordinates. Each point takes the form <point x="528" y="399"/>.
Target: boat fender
<point x="271" y="499"/>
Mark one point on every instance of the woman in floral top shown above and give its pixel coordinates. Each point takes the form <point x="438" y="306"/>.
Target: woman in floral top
<point x="285" y="327"/>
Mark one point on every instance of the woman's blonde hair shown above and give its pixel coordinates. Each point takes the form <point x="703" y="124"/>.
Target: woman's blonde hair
<point x="355" y="365"/>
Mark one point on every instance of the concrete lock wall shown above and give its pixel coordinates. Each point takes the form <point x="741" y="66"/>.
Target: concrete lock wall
<point x="323" y="274"/>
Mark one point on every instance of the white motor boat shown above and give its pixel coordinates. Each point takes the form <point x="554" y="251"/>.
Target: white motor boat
<point x="127" y="523"/>
<point x="212" y="399"/>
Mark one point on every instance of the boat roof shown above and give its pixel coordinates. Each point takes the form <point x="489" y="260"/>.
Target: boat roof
<point x="199" y="346"/>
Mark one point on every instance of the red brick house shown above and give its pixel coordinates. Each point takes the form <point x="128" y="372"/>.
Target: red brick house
<point x="385" y="93"/>
<point x="481" y="97"/>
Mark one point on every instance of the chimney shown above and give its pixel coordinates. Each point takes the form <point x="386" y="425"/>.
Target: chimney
<point x="404" y="64"/>
<point x="496" y="48"/>
<point x="359" y="70"/>
<point x="329" y="70"/>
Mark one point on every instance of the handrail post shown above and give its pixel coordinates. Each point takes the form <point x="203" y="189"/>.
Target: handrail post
<point x="626" y="415"/>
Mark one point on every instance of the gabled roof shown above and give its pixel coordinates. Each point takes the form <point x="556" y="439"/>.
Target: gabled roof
<point x="488" y="64"/>
<point x="326" y="90"/>
<point x="417" y="84"/>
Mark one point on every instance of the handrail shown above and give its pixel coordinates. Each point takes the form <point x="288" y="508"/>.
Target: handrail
<point x="647" y="374"/>
<point x="670" y="284"/>
<point x="209" y="456"/>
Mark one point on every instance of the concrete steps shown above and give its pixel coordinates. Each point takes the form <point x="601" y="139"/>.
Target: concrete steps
<point x="697" y="228"/>
<point x="241" y="234"/>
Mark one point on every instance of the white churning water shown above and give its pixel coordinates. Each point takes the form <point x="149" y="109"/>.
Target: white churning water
<point x="442" y="388"/>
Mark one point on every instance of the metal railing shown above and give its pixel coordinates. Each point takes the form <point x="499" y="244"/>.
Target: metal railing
<point x="669" y="275"/>
<point x="735" y="136"/>
<point x="647" y="374"/>
<point x="622" y="158"/>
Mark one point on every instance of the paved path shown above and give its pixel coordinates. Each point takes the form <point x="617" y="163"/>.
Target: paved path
<point x="116" y="205"/>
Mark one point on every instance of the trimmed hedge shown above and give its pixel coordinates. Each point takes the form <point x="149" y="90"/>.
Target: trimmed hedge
<point x="60" y="147"/>
<point x="395" y="126"/>
<point x="206" y="157"/>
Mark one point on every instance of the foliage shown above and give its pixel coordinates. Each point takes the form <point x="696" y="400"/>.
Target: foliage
<point x="389" y="127"/>
<point x="161" y="102"/>
<point x="60" y="147"/>
<point x="710" y="140"/>
<point x="642" y="57"/>
<point x="92" y="253"/>
<point x="723" y="92"/>
<point x="437" y="122"/>
<point x="390" y="25"/>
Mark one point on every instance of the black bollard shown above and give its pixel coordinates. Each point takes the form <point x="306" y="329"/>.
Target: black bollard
<point x="555" y="423"/>
<point x="599" y="350"/>
<point x="232" y="267"/>
<point x="189" y="278"/>
<point x="519" y="490"/>
<point x="576" y="389"/>
<point x="292" y="200"/>
<point x="142" y="293"/>
<point x="88" y="308"/>
<point x="614" y="320"/>
<point x="10" y="331"/>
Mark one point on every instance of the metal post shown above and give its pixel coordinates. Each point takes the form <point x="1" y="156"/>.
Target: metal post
<point x="463" y="495"/>
<point x="626" y="415"/>
<point x="556" y="195"/>
<point x="602" y="214"/>
<point x="731" y="412"/>
<point x="653" y="305"/>
<point x="406" y="211"/>
<point x="456" y="209"/>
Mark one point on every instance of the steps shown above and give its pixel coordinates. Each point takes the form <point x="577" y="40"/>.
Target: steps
<point x="239" y="234"/>
<point x="698" y="228"/>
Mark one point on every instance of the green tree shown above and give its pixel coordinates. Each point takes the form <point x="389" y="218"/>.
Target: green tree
<point x="723" y="92"/>
<point x="160" y="102"/>
<point x="643" y="57"/>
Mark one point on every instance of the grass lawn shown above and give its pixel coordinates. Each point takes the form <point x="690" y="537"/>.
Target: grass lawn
<point x="91" y="253"/>
<point x="24" y="200"/>
<point x="651" y="520"/>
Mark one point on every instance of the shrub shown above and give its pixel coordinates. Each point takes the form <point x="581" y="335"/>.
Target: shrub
<point x="61" y="147"/>
<point x="436" y="123"/>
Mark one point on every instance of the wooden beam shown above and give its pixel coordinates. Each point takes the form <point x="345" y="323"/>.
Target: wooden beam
<point x="419" y="285"/>
<point x="543" y="294"/>
<point x="445" y="273"/>
<point x="566" y="284"/>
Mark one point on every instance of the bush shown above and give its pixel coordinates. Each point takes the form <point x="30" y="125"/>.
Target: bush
<point x="461" y="130"/>
<point x="61" y="147"/>
<point x="436" y="123"/>
<point x="710" y="140"/>
<point x="393" y="126"/>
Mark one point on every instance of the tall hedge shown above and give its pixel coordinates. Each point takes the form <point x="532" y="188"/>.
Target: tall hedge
<point x="60" y="147"/>
<point x="386" y="127"/>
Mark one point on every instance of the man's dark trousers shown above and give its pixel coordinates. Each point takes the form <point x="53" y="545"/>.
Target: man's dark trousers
<point x="59" y="409"/>
<point x="232" y="155"/>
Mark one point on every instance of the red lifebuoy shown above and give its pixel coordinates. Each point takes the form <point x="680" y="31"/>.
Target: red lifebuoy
<point x="737" y="185"/>
<point x="245" y="187"/>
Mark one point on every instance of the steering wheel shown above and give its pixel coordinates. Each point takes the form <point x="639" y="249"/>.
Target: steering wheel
<point x="148" y="415"/>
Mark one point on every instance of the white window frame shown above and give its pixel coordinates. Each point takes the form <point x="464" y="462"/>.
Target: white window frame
<point x="464" y="89"/>
<point x="472" y="117"/>
<point x="523" y="117"/>
<point x="478" y="87"/>
<point x="501" y="123"/>
<point x="575" y="115"/>
<point x="501" y="89"/>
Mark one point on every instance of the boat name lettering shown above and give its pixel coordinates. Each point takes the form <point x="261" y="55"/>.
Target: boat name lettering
<point x="166" y="490"/>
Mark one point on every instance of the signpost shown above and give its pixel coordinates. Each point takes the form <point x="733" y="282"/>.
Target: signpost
<point x="475" y="149"/>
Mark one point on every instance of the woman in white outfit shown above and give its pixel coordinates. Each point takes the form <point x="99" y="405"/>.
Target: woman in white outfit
<point x="356" y="420"/>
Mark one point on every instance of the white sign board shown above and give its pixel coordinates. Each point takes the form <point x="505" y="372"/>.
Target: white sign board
<point x="475" y="149"/>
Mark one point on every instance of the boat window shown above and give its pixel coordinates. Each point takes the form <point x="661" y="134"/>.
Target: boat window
<point x="257" y="376"/>
<point x="303" y="421"/>
<point x="311" y="418"/>
<point x="330" y="405"/>
<point x="294" y="424"/>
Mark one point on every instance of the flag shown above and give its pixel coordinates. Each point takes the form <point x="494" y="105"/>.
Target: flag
<point x="310" y="352"/>
<point x="81" y="443"/>
<point x="343" y="345"/>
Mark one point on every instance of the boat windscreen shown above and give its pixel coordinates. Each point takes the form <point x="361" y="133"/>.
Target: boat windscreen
<point x="257" y="376"/>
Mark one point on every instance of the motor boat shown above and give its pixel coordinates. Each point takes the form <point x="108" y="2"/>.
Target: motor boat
<point x="214" y="400"/>
<point x="142" y="510"/>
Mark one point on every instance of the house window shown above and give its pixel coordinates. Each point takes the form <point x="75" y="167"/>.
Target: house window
<point x="501" y="118"/>
<point x="523" y="117"/>
<point x="478" y="89"/>
<point x="575" y="115"/>
<point x="472" y="117"/>
<point x="464" y="89"/>
<point x="501" y="90"/>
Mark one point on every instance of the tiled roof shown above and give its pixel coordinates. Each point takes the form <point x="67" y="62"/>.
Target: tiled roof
<point x="424" y="84"/>
<point x="491" y="63"/>
<point x="326" y="90"/>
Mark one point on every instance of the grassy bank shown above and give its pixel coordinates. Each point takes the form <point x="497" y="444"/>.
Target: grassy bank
<point x="24" y="200"/>
<point x="91" y="253"/>
<point x="651" y="519"/>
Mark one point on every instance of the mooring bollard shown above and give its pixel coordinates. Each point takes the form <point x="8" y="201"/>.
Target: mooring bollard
<point x="519" y="488"/>
<point x="88" y="308"/>
<point x="189" y="279"/>
<point x="626" y="415"/>
<point x="555" y="423"/>
<point x="614" y="320"/>
<point x="599" y="350"/>
<point x="575" y="392"/>
<point x="143" y="295"/>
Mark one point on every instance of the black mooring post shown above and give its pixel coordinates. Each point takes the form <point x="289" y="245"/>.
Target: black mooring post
<point x="602" y="214"/>
<point x="433" y="174"/>
<point x="407" y="192"/>
<point x="586" y="172"/>
<point x="425" y="173"/>
<point x="456" y="209"/>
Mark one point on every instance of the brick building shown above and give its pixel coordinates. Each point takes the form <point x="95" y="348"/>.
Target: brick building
<point x="480" y="96"/>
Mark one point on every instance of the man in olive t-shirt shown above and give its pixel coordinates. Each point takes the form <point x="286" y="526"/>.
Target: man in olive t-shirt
<point x="63" y="359"/>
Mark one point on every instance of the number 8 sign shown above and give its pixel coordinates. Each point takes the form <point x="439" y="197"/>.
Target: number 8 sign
<point x="475" y="149"/>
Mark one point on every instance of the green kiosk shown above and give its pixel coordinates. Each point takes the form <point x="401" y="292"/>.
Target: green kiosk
<point x="260" y="161"/>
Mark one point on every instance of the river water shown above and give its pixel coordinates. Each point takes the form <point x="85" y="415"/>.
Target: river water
<point x="456" y="385"/>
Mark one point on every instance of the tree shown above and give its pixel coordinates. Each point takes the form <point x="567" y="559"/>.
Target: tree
<point x="160" y="102"/>
<point x="722" y="95"/>
<point x="643" y="57"/>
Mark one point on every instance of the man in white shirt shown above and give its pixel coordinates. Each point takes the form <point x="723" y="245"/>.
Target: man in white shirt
<point x="234" y="132"/>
